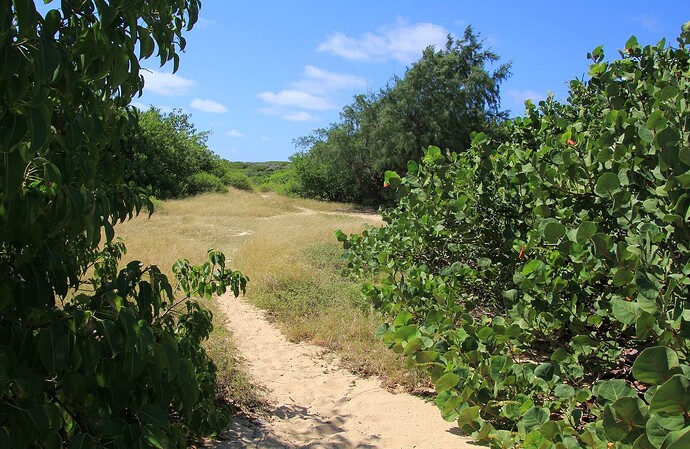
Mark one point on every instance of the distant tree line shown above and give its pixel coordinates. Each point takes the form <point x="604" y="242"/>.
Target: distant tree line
<point x="442" y="98"/>
<point x="168" y="155"/>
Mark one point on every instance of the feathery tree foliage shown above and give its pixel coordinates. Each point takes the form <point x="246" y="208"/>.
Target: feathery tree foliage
<point x="445" y="96"/>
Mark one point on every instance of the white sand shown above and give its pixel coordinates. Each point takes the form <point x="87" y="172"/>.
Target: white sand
<point x="316" y="404"/>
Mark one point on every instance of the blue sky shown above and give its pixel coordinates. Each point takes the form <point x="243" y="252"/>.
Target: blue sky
<point x="260" y="74"/>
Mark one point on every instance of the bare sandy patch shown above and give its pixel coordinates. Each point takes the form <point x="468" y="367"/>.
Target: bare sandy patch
<point x="316" y="404"/>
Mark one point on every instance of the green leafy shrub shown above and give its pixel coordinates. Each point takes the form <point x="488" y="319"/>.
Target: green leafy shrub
<point x="205" y="182"/>
<point x="166" y="154"/>
<point x="111" y="359"/>
<point x="237" y="180"/>
<point x="283" y="181"/>
<point x="543" y="279"/>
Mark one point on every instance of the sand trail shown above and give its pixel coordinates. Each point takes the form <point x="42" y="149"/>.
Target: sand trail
<point x="317" y="405"/>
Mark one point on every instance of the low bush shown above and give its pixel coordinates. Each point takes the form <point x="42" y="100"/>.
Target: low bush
<point x="543" y="281"/>
<point x="238" y="180"/>
<point x="202" y="182"/>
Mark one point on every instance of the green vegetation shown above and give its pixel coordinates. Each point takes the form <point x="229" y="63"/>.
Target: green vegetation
<point x="92" y="355"/>
<point x="542" y="276"/>
<point x="273" y="176"/>
<point x="441" y="100"/>
<point x="166" y="154"/>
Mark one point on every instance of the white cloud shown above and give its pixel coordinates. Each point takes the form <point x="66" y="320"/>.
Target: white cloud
<point x="295" y="98"/>
<point x="314" y="91"/>
<point x="301" y="116"/>
<point x="165" y="83"/>
<point x="234" y="133"/>
<point x="648" y="23"/>
<point x="522" y="95"/>
<point x="165" y="109"/>
<point x="266" y="139"/>
<point x="269" y="111"/>
<point x="319" y="81"/>
<point x="204" y="23"/>
<point x="402" y="42"/>
<point x="207" y="106"/>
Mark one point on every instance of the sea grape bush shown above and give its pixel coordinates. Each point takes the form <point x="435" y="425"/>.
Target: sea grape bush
<point x="91" y="355"/>
<point x="543" y="279"/>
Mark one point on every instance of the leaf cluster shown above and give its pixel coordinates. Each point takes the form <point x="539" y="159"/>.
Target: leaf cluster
<point x="542" y="276"/>
<point x="109" y="359"/>
<point x="165" y="153"/>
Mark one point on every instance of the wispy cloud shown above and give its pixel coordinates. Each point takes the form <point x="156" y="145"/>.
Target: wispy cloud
<point x="402" y="42"/>
<point x="295" y="98"/>
<point x="520" y="96"/>
<point x="145" y="107"/>
<point x="235" y="133"/>
<point x="301" y="116"/>
<point x="165" y="83"/>
<point x="266" y="139"/>
<point x="314" y="91"/>
<point x="207" y="106"/>
<point x="319" y="81"/>
<point x="204" y="23"/>
<point x="648" y="23"/>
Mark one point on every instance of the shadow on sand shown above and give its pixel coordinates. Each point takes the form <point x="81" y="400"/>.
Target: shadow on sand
<point x="316" y="432"/>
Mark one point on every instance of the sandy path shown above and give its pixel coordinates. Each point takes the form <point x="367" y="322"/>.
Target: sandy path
<point x="317" y="405"/>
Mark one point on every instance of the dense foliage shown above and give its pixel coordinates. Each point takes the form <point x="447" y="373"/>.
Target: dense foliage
<point x="166" y="153"/>
<point x="103" y="359"/>
<point x="543" y="279"/>
<point x="444" y="97"/>
<point x="169" y="156"/>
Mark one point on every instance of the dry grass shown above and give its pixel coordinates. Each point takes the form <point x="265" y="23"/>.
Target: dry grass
<point x="287" y="248"/>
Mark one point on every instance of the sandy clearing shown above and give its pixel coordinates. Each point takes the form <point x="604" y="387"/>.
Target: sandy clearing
<point x="317" y="405"/>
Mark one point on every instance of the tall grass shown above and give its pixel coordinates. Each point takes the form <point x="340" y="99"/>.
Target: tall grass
<point x="288" y="249"/>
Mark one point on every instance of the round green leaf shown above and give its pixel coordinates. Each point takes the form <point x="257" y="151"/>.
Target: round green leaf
<point x="153" y="415"/>
<point x="668" y="136"/>
<point x="625" y="419"/>
<point x="610" y="391"/>
<point x="678" y="440"/>
<point x="646" y="135"/>
<point x="658" y="427"/>
<point x="446" y="382"/>
<point x="585" y="231"/>
<point x="554" y="231"/>
<point x="656" y="365"/>
<point x="672" y="397"/>
<point x="426" y="356"/>
<point x="534" y="418"/>
<point x="564" y="391"/>
<point x="607" y="183"/>
<point x="684" y="155"/>
<point x="667" y="93"/>
<point x="647" y="284"/>
<point x="622" y="277"/>
<point x="626" y="312"/>
<point x="469" y="419"/>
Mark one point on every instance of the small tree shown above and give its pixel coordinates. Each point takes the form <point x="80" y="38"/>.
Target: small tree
<point x="102" y="361"/>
